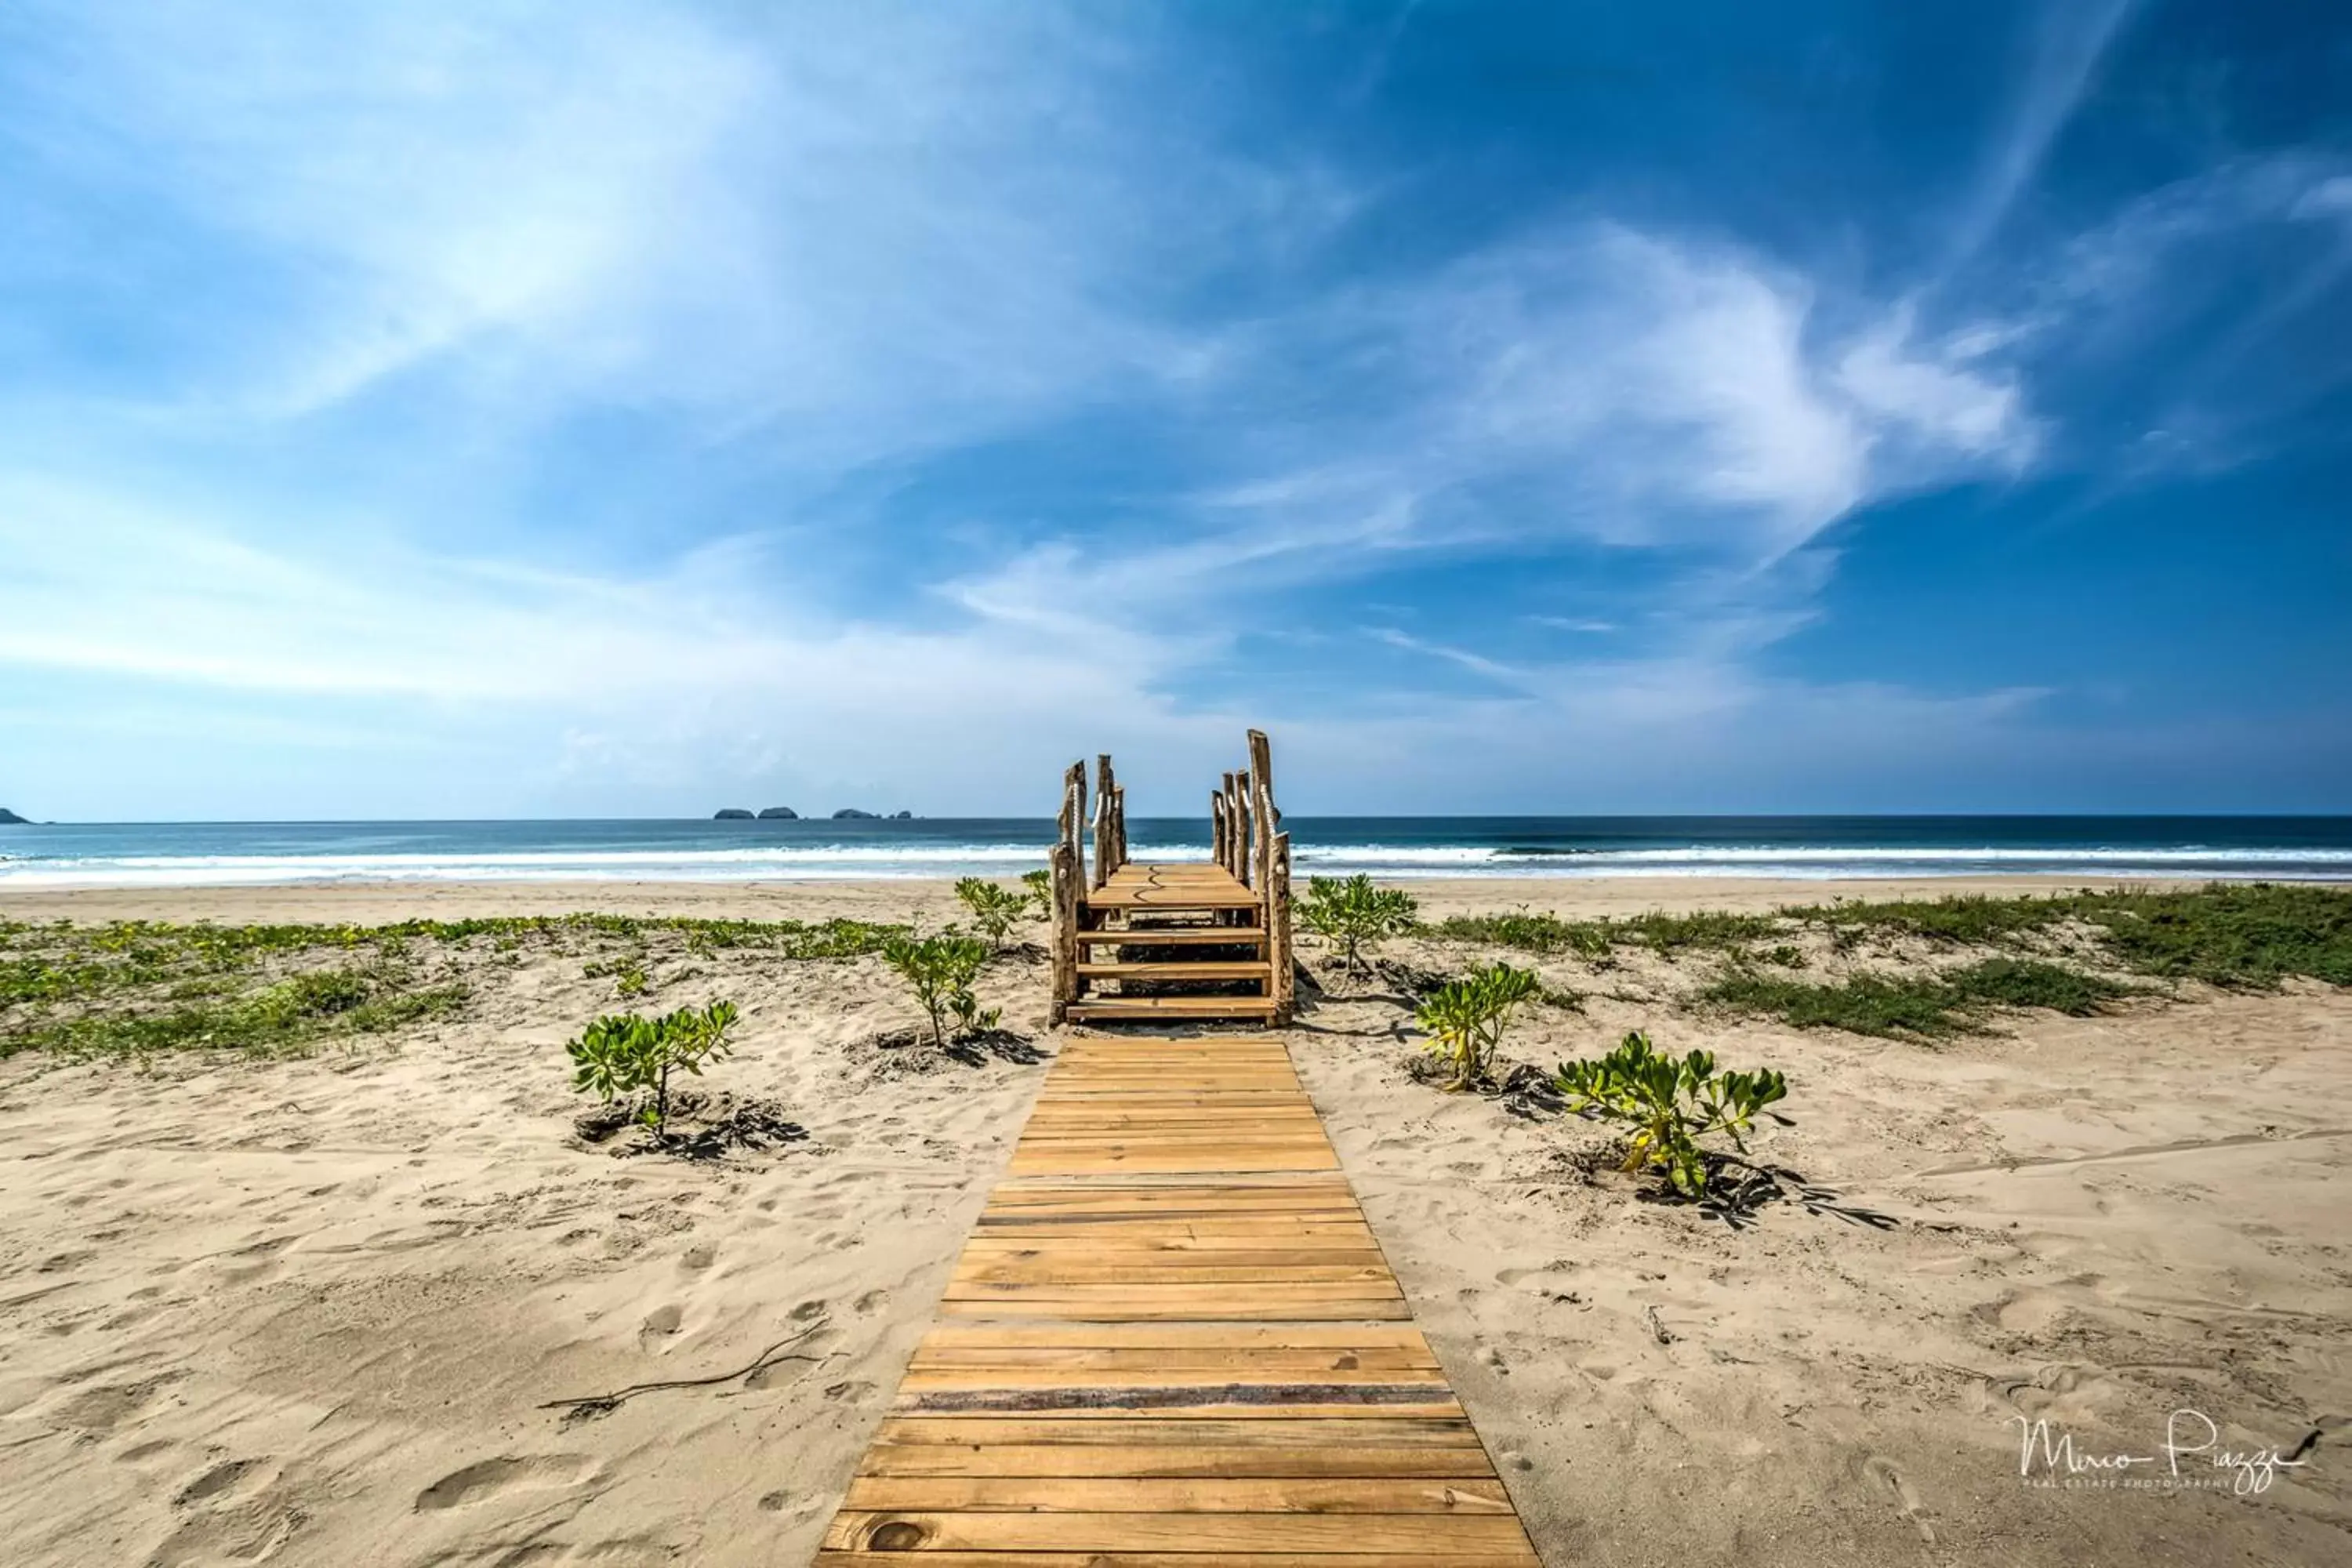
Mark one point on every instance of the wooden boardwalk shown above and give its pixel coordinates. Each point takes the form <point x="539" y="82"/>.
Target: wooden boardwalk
<point x="1172" y="1341"/>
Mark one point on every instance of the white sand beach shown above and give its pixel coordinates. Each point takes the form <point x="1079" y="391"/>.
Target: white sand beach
<point x="323" y="1311"/>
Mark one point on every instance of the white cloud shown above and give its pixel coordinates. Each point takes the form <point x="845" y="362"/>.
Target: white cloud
<point x="856" y="229"/>
<point x="2069" y="41"/>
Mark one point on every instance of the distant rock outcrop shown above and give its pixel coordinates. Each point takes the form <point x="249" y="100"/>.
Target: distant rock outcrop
<point x="10" y="819"/>
<point x="778" y="813"/>
<point x="902" y="816"/>
<point x="851" y="813"/>
<point x="731" y="813"/>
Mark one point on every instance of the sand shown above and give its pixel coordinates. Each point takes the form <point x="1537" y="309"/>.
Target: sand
<point x="314" y="1311"/>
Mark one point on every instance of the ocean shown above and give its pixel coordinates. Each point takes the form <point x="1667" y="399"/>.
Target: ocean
<point x="130" y="855"/>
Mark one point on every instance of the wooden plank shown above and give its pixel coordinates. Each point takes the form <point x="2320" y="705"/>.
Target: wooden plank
<point x="1125" y="1559"/>
<point x="1173" y="1460"/>
<point x="1376" y="1429"/>
<point x="1255" y="1309"/>
<point x="1151" y="1009"/>
<point x="1319" y="1336"/>
<point x="1164" y="1494"/>
<point x="1222" y="968"/>
<point x="1184" y="936"/>
<point x="1172" y="896"/>
<point x="1227" y="1535"/>
<point x="1286" y="1360"/>
<point x="1043" y="1387"/>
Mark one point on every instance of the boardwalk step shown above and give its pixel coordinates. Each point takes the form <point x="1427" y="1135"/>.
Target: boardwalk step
<point x="1163" y="896"/>
<point x="1178" y="936"/>
<point x="1243" y="969"/>
<point x="1094" y="1009"/>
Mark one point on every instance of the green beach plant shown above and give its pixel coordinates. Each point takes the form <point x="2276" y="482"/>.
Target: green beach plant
<point x="1670" y="1105"/>
<point x="940" y="969"/>
<point x="623" y="1054"/>
<point x="1040" y="884"/>
<point x="995" y="908"/>
<point x="1466" y="1017"/>
<point x="1354" y="916"/>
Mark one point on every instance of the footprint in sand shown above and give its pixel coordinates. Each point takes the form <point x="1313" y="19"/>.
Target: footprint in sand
<point x="492" y="1478"/>
<point x="698" y="1258"/>
<point x="228" y="1482"/>
<point x="872" y="1301"/>
<point x="1882" y="1472"/>
<point x="806" y="1311"/>
<point x="659" y="1325"/>
<point x="248" y="1533"/>
<point x="104" y="1408"/>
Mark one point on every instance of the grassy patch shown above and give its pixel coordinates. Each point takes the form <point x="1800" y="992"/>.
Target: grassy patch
<point x="2248" y="937"/>
<point x="291" y="1015"/>
<point x="2243" y="935"/>
<point x="1527" y="932"/>
<point x="151" y="985"/>
<point x="1916" y="1005"/>
<point x="1969" y="920"/>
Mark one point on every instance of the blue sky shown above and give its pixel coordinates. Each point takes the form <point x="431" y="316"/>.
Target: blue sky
<point x="513" y="409"/>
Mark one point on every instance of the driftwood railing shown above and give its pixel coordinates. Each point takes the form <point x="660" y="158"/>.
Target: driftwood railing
<point x="1246" y="843"/>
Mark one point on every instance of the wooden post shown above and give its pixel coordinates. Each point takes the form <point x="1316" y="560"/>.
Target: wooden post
<point x="1104" y="865"/>
<point x="1074" y="814"/>
<point x="1282" y="986"/>
<point x="1067" y="879"/>
<point x="1242" y="801"/>
<point x="1231" y="859"/>
<point x="1261" y="774"/>
<point x="1119" y="823"/>
<point x="1217" y="826"/>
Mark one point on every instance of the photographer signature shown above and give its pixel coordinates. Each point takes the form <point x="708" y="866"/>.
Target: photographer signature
<point x="2192" y="1440"/>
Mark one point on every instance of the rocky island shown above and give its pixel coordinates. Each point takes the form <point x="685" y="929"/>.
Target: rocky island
<point x="730" y="814"/>
<point x="10" y="819"/>
<point x="778" y="813"/>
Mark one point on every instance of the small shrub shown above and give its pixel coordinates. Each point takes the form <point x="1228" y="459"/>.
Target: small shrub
<point x="1040" y="884"/>
<point x="627" y="975"/>
<point x="940" y="969"/>
<point x="995" y="908"/>
<point x="1670" y="1105"/>
<point x="1466" y="1017"/>
<point x="626" y="1055"/>
<point x="1353" y="915"/>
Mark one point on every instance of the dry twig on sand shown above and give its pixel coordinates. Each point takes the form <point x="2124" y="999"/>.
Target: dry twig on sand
<point x="590" y="1406"/>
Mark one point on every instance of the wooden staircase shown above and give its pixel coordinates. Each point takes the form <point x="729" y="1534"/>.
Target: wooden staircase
<point x="1175" y="941"/>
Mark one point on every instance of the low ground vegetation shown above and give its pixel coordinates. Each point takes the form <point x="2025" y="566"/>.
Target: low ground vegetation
<point x="1464" y="1020"/>
<point x="140" y="988"/>
<point x="1929" y="968"/>
<point x="939" y="969"/>
<point x="625" y="1059"/>
<point x="1354" y="916"/>
<point x="994" y="908"/>
<point x="1670" y="1106"/>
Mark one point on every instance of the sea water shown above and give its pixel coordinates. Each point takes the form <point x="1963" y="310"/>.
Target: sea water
<point x="216" y="854"/>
